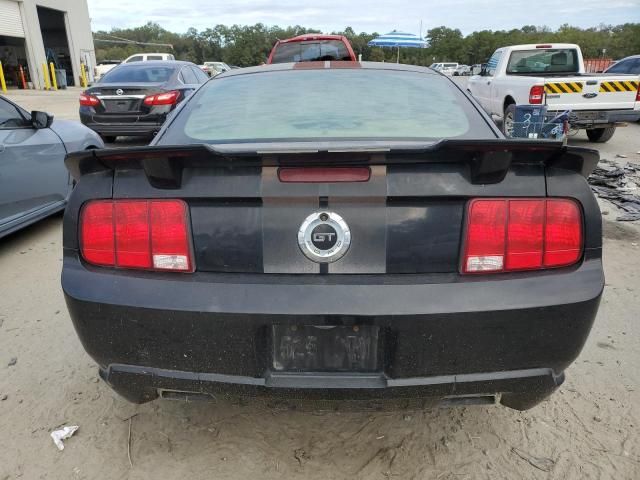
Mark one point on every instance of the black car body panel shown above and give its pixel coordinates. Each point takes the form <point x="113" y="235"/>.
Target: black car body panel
<point x="393" y="318"/>
<point x="121" y="110"/>
<point x="440" y="334"/>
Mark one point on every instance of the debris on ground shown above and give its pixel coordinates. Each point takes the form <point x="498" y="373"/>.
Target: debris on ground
<point x="619" y="185"/>
<point x="544" y="464"/>
<point x="63" y="434"/>
<point x="12" y="362"/>
<point x="301" y="456"/>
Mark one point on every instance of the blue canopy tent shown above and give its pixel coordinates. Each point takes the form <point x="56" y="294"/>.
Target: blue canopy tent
<point x="398" y="40"/>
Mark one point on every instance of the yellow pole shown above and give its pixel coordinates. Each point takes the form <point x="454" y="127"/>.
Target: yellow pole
<point x="53" y="76"/>
<point x="84" y="75"/>
<point x="3" y="86"/>
<point x="47" y="82"/>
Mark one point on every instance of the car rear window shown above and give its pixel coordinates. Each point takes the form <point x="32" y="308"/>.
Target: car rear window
<point x="557" y="60"/>
<point x="311" y="51"/>
<point x="139" y="73"/>
<point x="312" y="105"/>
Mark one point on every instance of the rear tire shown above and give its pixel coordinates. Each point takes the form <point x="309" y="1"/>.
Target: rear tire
<point x="108" y="138"/>
<point x="508" y="119"/>
<point x="600" y="135"/>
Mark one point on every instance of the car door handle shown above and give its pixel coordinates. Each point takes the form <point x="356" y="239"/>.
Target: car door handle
<point x="489" y="82"/>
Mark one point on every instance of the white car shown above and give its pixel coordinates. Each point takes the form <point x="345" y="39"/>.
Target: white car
<point x="445" y="67"/>
<point x="554" y="75"/>
<point x="215" y="68"/>
<point x="462" y="70"/>
<point x="103" y="67"/>
<point x="143" y="57"/>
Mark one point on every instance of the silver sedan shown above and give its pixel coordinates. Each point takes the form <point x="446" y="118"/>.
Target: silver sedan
<point x="34" y="182"/>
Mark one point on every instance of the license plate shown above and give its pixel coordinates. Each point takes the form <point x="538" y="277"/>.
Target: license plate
<point x="311" y="348"/>
<point x="118" y="105"/>
<point x="588" y="115"/>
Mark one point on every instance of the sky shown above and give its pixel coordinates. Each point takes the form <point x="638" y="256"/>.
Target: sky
<point x="362" y="15"/>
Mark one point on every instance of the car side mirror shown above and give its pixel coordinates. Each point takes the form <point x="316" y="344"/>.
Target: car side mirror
<point x="40" y="120"/>
<point x="483" y="71"/>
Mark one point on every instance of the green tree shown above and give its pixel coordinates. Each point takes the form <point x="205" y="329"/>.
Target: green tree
<point x="246" y="45"/>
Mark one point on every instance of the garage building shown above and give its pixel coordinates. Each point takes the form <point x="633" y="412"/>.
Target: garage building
<point x="33" y="32"/>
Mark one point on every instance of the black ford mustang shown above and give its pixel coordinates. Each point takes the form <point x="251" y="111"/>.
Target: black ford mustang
<point x="358" y="231"/>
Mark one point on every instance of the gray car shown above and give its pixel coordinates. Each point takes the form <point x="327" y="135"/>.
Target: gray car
<point x="626" y="65"/>
<point x="34" y="182"/>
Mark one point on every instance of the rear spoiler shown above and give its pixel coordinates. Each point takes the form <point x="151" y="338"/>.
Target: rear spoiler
<point x="488" y="160"/>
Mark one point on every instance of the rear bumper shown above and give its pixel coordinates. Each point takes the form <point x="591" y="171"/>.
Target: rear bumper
<point x="600" y="118"/>
<point x="519" y="389"/>
<point x="443" y="337"/>
<point x="126" y="125"/>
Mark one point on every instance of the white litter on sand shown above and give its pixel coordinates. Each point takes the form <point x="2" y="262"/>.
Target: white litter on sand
<point x="63" y="434"/>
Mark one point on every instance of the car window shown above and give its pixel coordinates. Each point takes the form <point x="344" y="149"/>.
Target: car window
<point x="154" y="57"/>
<point x="492" y="64"/>
<point x="142" y="73"/>
<point x="327" y="104"/>
<point x="10" y="117"/>
<point x="555" y="60"/>
<point x="188" y="76"/>
<point x="310" y="51"/>
<point x="632" y="65"/>
<point x="450" y="65"/>
<point x="200" y="75"/>
<point x="137" y="58"/>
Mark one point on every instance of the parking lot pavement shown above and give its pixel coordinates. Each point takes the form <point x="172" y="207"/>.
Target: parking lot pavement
<point x="587" y="430"/>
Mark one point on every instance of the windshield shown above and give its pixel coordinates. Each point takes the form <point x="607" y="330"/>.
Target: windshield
<point x="310" y="51"/>
<point x="322" y="105"/>
<point x="139" y="74"/>
<point x="562" y="60"/>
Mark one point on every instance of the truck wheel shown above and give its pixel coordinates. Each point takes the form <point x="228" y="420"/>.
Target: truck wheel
<point x="508" y="120"/>
<point x="600" y="135"/>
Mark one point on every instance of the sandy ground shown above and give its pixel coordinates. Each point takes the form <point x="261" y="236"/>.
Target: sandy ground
<point x="587" y="430"/>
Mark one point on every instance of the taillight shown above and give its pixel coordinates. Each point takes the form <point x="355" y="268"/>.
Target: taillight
<point x="638" y="94"/>
<point x="88" y="100"/>
<point x="165" y="98"/>
<point x="508" y="235"/>
<point x="141" y="234"/>
<point x="536" y="94"/>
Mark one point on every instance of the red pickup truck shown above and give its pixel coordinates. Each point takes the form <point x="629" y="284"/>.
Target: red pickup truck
<point x="312" y="48"/>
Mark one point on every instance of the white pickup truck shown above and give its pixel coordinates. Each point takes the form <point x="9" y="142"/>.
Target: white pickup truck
<point x="554" y="75"/>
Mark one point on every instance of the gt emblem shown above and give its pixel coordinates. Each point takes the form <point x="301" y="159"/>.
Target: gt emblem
<point x="324" y="237"/>
<point x="119" y="91"/>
